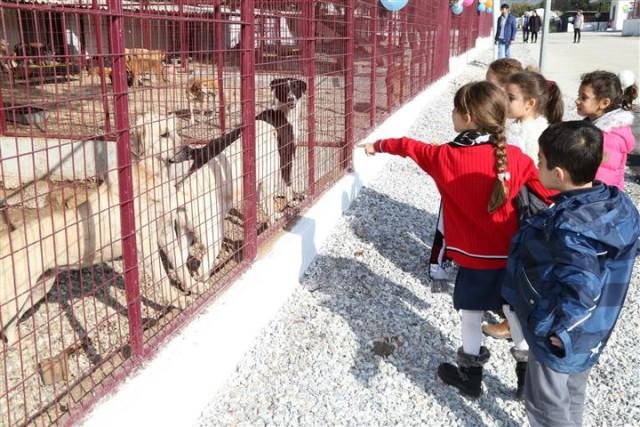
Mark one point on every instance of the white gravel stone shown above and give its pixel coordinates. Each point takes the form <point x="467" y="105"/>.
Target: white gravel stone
<point x="314" y="364"/>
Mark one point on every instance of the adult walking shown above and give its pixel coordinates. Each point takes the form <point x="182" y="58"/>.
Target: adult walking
<point x="578" y="23"/>
<point x="505" y="32"/>
<point x="535" y="23"/>
<point x="525" y="27"/>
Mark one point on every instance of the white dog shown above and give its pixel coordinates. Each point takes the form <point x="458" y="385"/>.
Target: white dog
<point x="200" y="218"/>
<point x="91" y="232"/>
<point x="275" y="141"/>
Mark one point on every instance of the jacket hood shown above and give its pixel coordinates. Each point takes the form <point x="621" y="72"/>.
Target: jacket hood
<point x="614" y="119"/>
<point x="602" y="213"/>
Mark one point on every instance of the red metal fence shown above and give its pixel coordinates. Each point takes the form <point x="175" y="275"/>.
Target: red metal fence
<point x="107" y="242"/>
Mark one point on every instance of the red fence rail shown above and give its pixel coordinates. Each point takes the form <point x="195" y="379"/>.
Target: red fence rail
<point x="111" y="235"/>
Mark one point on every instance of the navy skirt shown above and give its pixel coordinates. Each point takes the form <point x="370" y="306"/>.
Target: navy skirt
<point x="478" y="289"/>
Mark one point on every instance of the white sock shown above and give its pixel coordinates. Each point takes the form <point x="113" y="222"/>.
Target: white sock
<point x="471" y="331"/>
<point x="516" y="330"/>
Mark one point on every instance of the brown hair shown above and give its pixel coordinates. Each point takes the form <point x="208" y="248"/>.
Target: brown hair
<point x="546" y="94"/>
<point x="504" y="67"/>
<point x="487" y="105"/>
<point x="607" y="85"/>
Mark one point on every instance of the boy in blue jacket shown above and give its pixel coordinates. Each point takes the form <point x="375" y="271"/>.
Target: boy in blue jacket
<point x="568" y="273"/>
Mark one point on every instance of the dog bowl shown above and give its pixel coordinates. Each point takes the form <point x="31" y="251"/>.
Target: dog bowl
<point x="27" y="115"/>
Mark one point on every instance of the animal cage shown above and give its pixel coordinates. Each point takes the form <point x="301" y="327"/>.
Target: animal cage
<point x="148" y="148"/>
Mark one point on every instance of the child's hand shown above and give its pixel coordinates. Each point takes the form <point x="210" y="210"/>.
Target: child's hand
<point x="368" y="149"/>
<point x="556" y="342"/>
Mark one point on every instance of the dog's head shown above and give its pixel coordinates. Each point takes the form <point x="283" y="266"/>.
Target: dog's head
<point x="195" y="87"/>
<point x="287" y="91"/>
<point x="155" y="136"/>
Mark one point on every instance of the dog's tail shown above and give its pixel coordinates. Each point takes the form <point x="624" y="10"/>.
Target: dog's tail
<point x="202" y="155"/>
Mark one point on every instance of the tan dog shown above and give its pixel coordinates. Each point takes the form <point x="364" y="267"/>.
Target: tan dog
<point x="198" y="92"/>
<point x="141" y="61"/>
<point x="90" y="232"/>
<point x="99" y="71"/>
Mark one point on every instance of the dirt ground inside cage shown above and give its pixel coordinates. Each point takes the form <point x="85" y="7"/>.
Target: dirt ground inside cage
<point x="76" y="106"/>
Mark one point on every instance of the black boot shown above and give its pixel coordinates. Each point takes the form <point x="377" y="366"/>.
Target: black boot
<point x="521" y="373"/>
<point x="521" y="356"/>
<point x="467" y="376"/>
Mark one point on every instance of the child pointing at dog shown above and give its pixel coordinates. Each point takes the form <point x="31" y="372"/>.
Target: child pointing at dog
<point x="478" y="176"/>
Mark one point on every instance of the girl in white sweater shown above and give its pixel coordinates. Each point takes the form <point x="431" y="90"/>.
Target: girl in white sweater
<point x="534" y="104"/>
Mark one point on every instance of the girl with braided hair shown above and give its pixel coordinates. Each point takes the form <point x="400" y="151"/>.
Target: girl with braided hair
<point x="478" y="176"/>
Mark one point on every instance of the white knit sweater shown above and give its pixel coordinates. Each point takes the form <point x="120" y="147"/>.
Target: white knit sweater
<point x="525" y="134"/>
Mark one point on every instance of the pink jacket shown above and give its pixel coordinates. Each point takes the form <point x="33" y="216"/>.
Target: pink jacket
<point x="618" y="143"/>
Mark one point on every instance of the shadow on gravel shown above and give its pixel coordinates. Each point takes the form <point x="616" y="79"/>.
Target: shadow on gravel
<point x="399" y="232"/>
<point x="384" y="315"/>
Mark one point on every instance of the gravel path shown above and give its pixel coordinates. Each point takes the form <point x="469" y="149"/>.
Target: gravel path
<point x="368" y="290"/>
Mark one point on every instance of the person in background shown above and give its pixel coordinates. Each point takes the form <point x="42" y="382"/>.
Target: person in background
<point x="505" y="32"/>
<point x="535" y="23"/>
<point x="525" y="27"/>
<point x="578" y="23"/>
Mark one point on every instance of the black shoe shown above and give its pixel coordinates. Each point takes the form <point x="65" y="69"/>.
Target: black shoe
<point x="467" y="376"/>
<point x="521" y="373"/>
<point x="467" y="380"/>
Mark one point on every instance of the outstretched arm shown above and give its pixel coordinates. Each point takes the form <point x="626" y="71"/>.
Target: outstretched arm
<point x="422" y="153"/>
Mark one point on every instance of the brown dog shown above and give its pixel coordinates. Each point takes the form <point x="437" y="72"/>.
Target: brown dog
<point x="141" y="61"/>
<point x="198" y="92"/>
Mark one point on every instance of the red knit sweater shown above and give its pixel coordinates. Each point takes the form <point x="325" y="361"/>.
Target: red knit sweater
<point x="465" y="177"/>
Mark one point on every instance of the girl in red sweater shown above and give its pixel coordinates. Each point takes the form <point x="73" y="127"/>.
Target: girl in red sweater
<point x="478" y="176"/>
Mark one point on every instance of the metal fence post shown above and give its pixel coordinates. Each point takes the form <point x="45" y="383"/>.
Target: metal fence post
<point x="374" y="65"/>
<point x="125" y="178"/>
<point x="348" y="86"/>
<point x="248" y="100"/>
<point x="97" y="23"/>
<point x="219" y="60"/>
<point x="545" y="35"/>
<point x="310" y="70"/>
<point x="183" y="42"/>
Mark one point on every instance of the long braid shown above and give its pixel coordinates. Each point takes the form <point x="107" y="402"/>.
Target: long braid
<point x="500" y="193"/>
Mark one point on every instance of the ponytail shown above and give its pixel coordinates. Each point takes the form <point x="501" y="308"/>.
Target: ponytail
<point x="629" y="94"/>
<point x="500" y="193"/>
<point x="554" y="109"/>
<point x="620" y="89"/>
<point x="545" y="92"/>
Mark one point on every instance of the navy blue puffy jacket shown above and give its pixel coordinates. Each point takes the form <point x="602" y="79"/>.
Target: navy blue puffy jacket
<point x="568" y="273"/>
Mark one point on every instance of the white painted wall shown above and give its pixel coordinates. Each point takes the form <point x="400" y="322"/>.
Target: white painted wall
<point x="620" y="14"/>
<point x="25" y="159"/>
<point x="173" y="388"/>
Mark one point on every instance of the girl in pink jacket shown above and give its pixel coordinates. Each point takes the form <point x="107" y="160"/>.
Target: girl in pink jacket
<point x="605" y="99"/>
